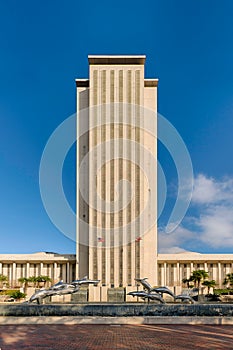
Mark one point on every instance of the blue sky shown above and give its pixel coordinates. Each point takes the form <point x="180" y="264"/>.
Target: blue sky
<point x="44" y="47"/>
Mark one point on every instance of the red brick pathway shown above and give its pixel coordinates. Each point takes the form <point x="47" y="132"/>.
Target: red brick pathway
<point x="96" y="337"/>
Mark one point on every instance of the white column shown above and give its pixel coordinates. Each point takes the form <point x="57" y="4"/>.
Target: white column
<point x="174" y="279"/>
<point x="178" y="274"/>
<point x="55" y="271"/>
<point x="0" y="268"/>
<point x="215" y="275"/>
<point x="37" y="269"/>
<point x="41" y="268"/>
<point x="10" y="274"/>
<point x="68" y="272"/>
<point x="51" y="274"/>
<point x="14" y="274"/>
<point x="191" y="267"/>
<point x="162" y="275"/>
<point x="77" y="267"/>
<point x="18" y="272"/>
<point x="64" y="273"/>
<point x="27" y="269"/>
<point x="165" y="274"/>
<point x="219" y="274"/>
<point x="205" y="266"/>
<point x="71" y="269"/>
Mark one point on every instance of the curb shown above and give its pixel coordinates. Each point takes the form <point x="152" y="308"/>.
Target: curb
<point x="71" y="320"/>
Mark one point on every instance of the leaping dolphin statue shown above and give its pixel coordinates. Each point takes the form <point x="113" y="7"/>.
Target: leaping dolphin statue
<point x="59" y="288"/>
<point x="163" y="290"/>
<point x="155" y="296"/>
<point x="185" y="298"/>
<point x="144" y="295"/>
<point x="57" y="285"/>
<point x="41" y="294"/>
<point x="144" y="283"/>
<point x="85" y="280"/>
<point x="67" y="289"/>
<point x="139" y="293"/>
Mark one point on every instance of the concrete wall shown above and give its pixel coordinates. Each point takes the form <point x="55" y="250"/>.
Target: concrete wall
<point x="119" y="310"/>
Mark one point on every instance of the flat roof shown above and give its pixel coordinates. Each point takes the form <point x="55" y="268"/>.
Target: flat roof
<point x="82" y="82"/>
<point x="194" y="256"/>
<point x="151" y="82"/>
<point x="116" y="59"/>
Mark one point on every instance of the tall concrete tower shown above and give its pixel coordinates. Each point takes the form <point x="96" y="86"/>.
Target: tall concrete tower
<point x="116" y="174"/>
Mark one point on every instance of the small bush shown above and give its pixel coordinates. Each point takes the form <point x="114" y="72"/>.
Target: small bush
<point x="17" y="295"/>
<point x="223" y="291"/>
<point x="8" y="291"/>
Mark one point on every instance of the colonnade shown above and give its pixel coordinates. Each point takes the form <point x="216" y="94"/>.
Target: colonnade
<point x="55" y="270"/>
<point x="172" y="273"/>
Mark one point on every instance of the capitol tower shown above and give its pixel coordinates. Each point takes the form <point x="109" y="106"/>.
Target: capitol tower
<point x="116" y="174"/>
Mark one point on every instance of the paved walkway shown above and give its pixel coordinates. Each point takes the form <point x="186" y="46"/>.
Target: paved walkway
<point x="104" y="337"/>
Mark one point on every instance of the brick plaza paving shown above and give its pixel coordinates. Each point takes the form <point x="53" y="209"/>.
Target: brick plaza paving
<point x="96" y="337"/>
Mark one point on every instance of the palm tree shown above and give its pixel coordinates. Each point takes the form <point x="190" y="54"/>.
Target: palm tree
<point x="209" y="284"/>
<point x="24" y="282"/>
<point x="198" y="276"/>
<point x="228" y="280"/>
<point x="187" y="280"/>
<point x="33" y="280"/>
<point x="3" y="279"/>
<point x="43" y="279"/>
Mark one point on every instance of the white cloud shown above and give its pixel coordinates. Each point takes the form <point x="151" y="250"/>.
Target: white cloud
<point x="210" y="191"/>
<point x="172" y="242"/>
<point x="212" y="223"/>
<point x="215" y="221"/>
<point x="216" y="226"/>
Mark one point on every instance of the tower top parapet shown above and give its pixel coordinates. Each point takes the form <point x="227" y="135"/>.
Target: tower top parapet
<point x="116" y="59"/>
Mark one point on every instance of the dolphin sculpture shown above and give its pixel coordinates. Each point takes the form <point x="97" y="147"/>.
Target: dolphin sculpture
<point x="144" y="283"/>
<point x="140" y="293"/>
<point x="57" y="285"/>
<point x="85" y="280"/>
<point x="163" y="290"/>
<point x="61" y="288"/>
<point x="144" y="295"/>
<point x="183" y="297"/>
<point x="40" y="294"/>
<point x="155" y="296"/>
<point x="43" y="293"/>
<point x="67" y="289"/>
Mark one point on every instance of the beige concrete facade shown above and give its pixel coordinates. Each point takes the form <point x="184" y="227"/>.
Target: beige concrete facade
<point x="117" y="248"/>
<point x="172" y="268"/>
<point x="56" y="266"/>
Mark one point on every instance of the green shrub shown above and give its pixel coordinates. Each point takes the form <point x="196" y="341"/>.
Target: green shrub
<point x="17" y="295"/>
<point x="223" y="291"/>
<point x="8" y="291"/>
